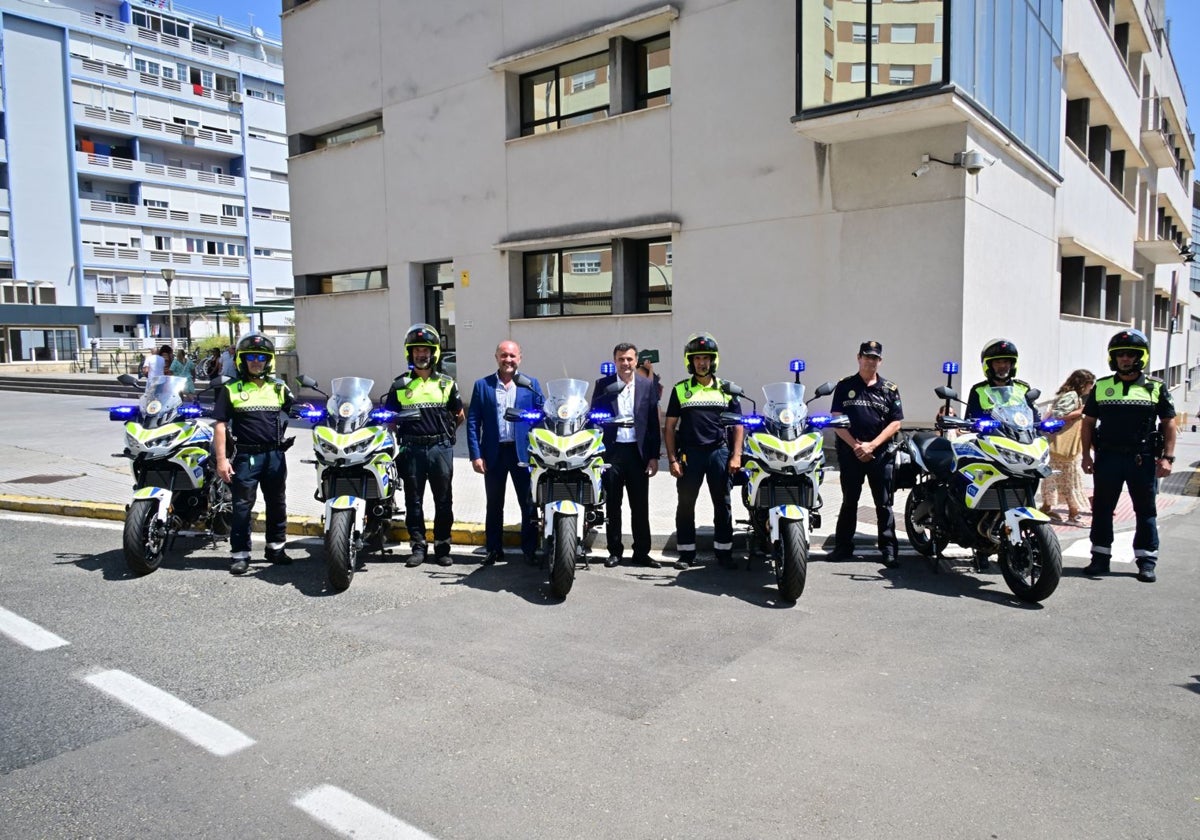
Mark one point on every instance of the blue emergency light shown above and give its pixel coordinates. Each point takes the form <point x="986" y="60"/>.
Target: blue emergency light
<point x="190" y="411"/>
<point x="600" y="416"/>
<point x="1052" y="424"/>
<point x="531" y="415"/>
<point x="820" y="421"/>
<point x="949" y="367"/>
<point x="796" y="366"/>
<point x="607" y="368"/>
<point x="986" y="425"/>
<point x="752" y="421"/>
<point x="122" y="412"/>
<point x="381" y="415"/>
<point x="313" y="415"/>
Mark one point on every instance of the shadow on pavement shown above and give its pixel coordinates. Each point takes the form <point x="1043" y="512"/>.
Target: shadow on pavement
<point x="954" y="578"/>
<point x="1194" y="685"/>
<point x="111" y="564"/>
<point x="752" y="581"/>
<point x="512" y="575"/>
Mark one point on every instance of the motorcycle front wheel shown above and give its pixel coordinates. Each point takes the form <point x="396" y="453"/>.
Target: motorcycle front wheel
<point x="340" y="551"/>
<point x="144" y="536"/>
<point x="920" y="531"/>
<point x="566" y="547"/>
<point x="793" y="564"/>
<point x="1033" y="569"/>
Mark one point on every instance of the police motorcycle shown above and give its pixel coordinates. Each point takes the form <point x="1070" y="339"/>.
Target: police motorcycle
<point x="357" y="473"/>
<point x="176" y="492"/>
<point x="977" y="490"/>
<point x="565" y="451"/>
<point x="783" y="461"/>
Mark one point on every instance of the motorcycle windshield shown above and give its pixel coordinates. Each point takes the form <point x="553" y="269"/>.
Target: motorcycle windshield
<point x="566" y="404"/>
<point x="161" y="400"/>
<point x="784" y="409"/>
<point x="1009" y="408"/>
<point x="349" y="405"/>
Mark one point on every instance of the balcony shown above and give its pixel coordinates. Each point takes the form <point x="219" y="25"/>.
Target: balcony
<point x="162" y="217"/>
<point x="88" y="68"/>
<point x="137" y="259"/>
<point x="5" y="248"/>
<point x="3" y="149"/>
<point x="105" y="166"/>
<point x="146" y="36"/>
<point x="1156" y="138"/>
<point x="200" y="138"/>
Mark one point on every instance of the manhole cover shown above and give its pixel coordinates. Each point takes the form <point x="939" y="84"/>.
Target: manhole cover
<point x="42" y="479"/>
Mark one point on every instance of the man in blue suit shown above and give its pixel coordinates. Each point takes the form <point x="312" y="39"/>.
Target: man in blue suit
<point x="499" y="448"/>
<point x="631" y="452"/>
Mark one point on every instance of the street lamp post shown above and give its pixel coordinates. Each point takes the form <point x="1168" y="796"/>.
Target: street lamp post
<point x="168" y="275"/>
<point x="228" y="295"/>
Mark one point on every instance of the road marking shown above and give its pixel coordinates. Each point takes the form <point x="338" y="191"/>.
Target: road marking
<point x="168" y="710"/>
<point x="349" y="816"/>
<point x="25" y="632"/>
<point x="63" y="520"/>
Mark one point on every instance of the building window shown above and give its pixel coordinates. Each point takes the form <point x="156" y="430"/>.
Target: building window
<point x="858" y="73"/>
<point x="554" y="287"/>
<point x="904" y="33"/>
<point x="233" y="210"/>
<point x="655" y="281"/>
<point x="901" y="74"/>
<point x="858" y="33"/>
<point x="549" y="103"/>
<point x="349" y="134"/>
<point x="654" y="72"/>
<point x="350" y="281"/>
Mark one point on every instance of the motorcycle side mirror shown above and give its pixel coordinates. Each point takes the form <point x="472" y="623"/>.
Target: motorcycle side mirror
<point x="216" y="382"/>
<point x="731" y="418"/>
<point x="400" y="382"/>
<point x="946" y="392"/>
<point x="614" y="388"/>
<point x="514" y="415"/>
<point x="823" y="390"/>
<point x="1031" y="395"/>
<point x="522" y="380"/>
<point x="306" y="381"/>
<point x="128" y="379"/>
<point x="732" y="389"/>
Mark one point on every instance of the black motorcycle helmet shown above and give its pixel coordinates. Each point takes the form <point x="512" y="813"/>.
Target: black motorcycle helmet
<point x="1129" y="340"/>
<point x="998" y="348"/>
<point x="422" y="335"/>
<point x="255" y="343"/>
<point x="700" y="344"/>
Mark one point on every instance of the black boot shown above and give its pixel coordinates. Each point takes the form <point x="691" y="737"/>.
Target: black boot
<point x="278" y="556"/>
<point x="1146" y="571"/>
<point x="1098" y="566"/>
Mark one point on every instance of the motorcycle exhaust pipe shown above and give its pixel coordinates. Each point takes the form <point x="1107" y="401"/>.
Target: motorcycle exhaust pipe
<point x="378" y="510"/>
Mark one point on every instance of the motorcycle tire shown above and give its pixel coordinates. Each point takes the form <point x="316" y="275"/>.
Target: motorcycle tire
<point x="920" y="535"/>
<point x="793" y="564"/>
<point x="1040" y="545"/>
<point x="340" y="552"/>
<point x="144" y="537"/>
<point x="566" y="548"/>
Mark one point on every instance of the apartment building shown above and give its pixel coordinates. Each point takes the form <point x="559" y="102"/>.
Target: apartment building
<point x="143" y="169"/>
<point x="795" y="176"/>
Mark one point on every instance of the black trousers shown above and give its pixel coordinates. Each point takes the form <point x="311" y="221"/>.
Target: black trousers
<point x="495" y="480"/>
<point x="268" y="469"/>
<point x="626" y="473"/>
<point x="1114" y="470"/>
<point x="433" y="464"/>
<point x="878" y="473"/>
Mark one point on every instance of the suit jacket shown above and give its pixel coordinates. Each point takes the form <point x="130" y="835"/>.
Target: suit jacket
<point x="483" y="429"/>
<point x="645" y="415"/>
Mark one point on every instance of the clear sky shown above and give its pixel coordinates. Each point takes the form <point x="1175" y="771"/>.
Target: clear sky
<point x="264" y="13"/>
<point x="1184" y="16"/>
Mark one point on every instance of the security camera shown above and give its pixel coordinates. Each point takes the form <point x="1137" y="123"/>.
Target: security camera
<point x="920" y="170"/>
<point x="973" y="161"/>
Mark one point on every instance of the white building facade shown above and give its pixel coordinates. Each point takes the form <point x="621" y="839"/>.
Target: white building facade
<point x="142" y="141"/>
<point x="570" y="175"/>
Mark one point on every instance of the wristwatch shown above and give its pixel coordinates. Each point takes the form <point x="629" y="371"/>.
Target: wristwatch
<point x="1170" y="459"/>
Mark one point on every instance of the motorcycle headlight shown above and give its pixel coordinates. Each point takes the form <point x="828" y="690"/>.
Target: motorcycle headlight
<point x="579" y="449"/>
<point x="548" y="450"/>
<point x="130" y="441"/>
<point x="328" y="448"/>
<point x="361" y="446"/>
<point x="1015" y="459"/>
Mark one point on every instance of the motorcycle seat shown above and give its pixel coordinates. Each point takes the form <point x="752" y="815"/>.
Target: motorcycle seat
<point x="936" y="453"/>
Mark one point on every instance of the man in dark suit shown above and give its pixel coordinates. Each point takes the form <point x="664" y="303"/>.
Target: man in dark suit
<point x="631" y="452"/>
<point x="499" y="448"/>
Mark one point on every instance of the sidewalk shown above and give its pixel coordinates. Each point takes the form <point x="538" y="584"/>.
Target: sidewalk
<point x="57" y="459"/>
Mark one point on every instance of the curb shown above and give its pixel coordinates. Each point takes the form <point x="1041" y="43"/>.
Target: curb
<point x="462" y="533"/>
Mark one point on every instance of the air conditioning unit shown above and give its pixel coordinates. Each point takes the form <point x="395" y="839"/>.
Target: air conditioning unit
<point x="191" y="131"/>
<point x="236" y="97"/>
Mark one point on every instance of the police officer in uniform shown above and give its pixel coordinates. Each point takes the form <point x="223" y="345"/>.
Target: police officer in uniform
<point x="999" y="358"/>
<point x="1129" y="422"/>
<point x="864" y="452"/>
<point x="700" y="448"/>
<point x="428" y="441"/>
<point x="253" y="410"/>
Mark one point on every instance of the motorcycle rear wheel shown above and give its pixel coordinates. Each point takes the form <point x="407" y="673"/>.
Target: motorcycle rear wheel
<point x="144" y="537"/>
<point x="920" y="534"/>
<point x="1040" y="549"/>
<point x="340" y="551"/>
<point x="566" y="548"/>
<point x="793" y="564"/>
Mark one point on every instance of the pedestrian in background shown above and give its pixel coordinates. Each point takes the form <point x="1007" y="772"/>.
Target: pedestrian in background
<point x="1066" y="447"/>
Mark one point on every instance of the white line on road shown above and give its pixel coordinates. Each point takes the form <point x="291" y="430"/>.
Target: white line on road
<point x="27" y="633"/>
<point x="168" y="710"/>
<point x="349" y="816"/>
<point x="64" y="520"/>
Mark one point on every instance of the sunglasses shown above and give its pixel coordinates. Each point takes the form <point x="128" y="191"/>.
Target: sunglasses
<point x="255" y="357"/>
<point x="1132" y="354"/>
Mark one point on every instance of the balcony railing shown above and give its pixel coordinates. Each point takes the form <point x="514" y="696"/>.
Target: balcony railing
<point x="221" y="141"/>
<point x="121" y="167"/>
<point x="152" y="259"/>
<point x="106" y="70"/>
<point x="162" y="216"/>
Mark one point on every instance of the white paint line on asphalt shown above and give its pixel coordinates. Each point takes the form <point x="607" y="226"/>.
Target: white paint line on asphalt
<point x="64" y="520"/>
<point x="168" y="710"/>
<point x="1122" y="548"/>
<point x="27" y="633"/>
<point x="349" y="816"/>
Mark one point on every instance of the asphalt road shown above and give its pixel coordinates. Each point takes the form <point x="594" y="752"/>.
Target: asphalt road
<point x="464" y="703"/>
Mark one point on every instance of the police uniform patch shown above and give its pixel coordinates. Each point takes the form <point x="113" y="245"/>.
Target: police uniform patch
<point x="1108" y="392"/>
<point x="850" y="395"/>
